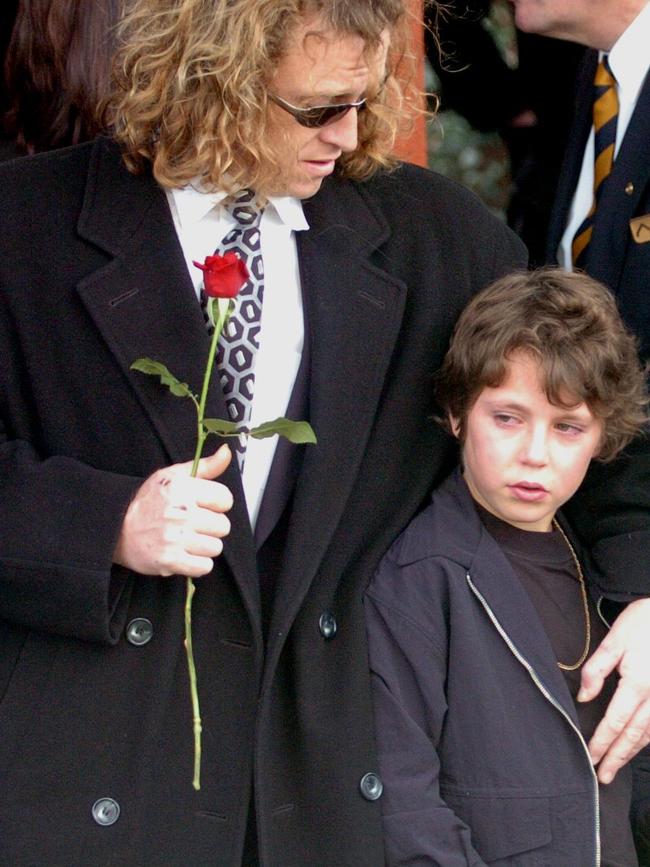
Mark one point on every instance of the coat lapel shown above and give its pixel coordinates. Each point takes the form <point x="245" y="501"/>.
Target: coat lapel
<point x="493" y="581"/>
<point x="572" y="163"/>
<point x="354" y="310"/>
<point x="144" y="305"/>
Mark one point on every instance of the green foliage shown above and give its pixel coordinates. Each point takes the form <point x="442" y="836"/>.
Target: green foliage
<point x="155" y="368"/>
<point x="294" y="431"/>
<point x="221" y="427"/>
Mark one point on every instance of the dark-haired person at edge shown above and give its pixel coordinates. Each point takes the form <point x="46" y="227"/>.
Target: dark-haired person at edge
<point x="56" y="73"/>
<point x="7" y="16"/>
<point x="600" y="224"/>
<point x="366" y="266"/>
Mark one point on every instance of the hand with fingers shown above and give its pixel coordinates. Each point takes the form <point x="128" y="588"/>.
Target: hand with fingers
<point x="175" y="524"/>
<point x="625" y="728"/>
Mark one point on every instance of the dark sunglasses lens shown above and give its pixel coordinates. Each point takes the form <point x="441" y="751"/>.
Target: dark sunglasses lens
<point x="321" y="116"/>
<point x="324" y="114"/>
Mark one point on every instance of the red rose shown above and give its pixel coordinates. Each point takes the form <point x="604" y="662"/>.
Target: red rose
<point x="223" y="276"/>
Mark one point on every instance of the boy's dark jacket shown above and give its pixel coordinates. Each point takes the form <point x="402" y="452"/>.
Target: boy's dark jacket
<point x="475" y="723"/>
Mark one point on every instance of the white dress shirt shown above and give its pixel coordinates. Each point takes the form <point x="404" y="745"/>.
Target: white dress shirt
<point x="201" y="223"/>
<point x="629" y="60"/>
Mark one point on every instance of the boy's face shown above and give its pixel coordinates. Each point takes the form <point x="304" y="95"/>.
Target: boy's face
<point x="523" y="457"/>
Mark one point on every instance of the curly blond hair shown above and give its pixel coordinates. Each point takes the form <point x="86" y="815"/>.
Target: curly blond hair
<point x="190" y="81"/>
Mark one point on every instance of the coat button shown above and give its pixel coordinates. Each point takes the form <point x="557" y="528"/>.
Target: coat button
<point x="106" y="811"/>
<point x="139" y="631"/>
<point x="371" y="786"/>
<point x="327" y="625"/>
<point x="629" y="188"/>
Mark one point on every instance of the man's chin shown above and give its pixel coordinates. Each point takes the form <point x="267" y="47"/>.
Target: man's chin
<point x="303" y="188"/>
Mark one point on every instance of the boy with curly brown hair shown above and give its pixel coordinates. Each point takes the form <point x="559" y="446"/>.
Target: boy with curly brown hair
<point x="480" y="617"/>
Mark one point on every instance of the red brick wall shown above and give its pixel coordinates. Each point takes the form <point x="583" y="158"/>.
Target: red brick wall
<point x="414" y="146"/>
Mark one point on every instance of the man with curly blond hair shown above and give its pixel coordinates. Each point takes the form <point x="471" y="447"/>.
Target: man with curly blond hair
<point x="294" y="104"/>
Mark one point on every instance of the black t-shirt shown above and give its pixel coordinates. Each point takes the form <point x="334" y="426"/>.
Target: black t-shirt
<point x="544" y="565"/>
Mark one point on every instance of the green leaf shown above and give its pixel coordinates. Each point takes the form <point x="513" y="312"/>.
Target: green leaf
<point x="221" y="427"/>
<point x="155" y="368"/>
<point x="294" y="431"/>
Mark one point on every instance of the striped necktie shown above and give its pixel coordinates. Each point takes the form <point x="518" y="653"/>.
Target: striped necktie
<point x="605" y="116"/>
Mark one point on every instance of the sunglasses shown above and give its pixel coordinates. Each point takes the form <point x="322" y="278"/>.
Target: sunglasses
<point x="317" y="115"/>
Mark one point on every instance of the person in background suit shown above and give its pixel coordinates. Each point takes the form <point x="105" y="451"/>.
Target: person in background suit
<point x="366" y="266"/>
<point x="56" y="73"/>
<point x="618" y="254"/>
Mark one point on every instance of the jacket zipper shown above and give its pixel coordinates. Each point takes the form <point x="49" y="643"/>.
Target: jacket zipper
<point x="599" y="609"/>
<point x="547" y="695"/>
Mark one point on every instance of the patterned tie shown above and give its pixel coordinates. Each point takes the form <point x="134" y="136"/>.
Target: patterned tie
<point x="605" y="116"/>
<point x="239" y="341"/>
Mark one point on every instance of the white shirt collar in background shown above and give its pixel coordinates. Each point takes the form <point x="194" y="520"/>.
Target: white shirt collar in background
<point x="629" y="60"/>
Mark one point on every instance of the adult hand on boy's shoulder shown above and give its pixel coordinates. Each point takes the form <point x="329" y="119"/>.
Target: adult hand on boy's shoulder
<point x="625" y="728"/>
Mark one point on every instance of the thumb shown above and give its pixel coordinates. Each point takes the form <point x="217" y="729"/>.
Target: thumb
<point x="602" y="662"/>
<point x="214" y="465"/>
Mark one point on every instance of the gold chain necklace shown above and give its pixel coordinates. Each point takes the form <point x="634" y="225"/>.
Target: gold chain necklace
<point x="585" y="606"/>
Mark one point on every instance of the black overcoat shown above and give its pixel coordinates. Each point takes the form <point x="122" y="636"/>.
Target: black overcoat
<point x="92" y="277"/>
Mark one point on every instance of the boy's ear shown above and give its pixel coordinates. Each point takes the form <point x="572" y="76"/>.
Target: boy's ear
<point x="454" y="425"/>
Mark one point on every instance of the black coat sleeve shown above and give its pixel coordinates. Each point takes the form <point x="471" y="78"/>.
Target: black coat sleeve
<point x="60" y="521"/>
<point x="611" y="515"/>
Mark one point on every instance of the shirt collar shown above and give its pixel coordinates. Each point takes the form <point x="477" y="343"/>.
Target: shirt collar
<point x="192" y="204"/>
<point x="629" y="58"/>
<point x="289" y="210"/>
